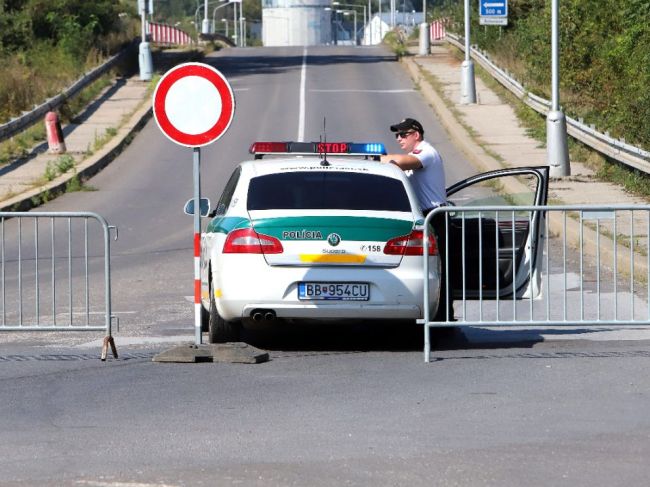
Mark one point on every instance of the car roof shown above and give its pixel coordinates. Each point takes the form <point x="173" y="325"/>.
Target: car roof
<point x="261" y="167"/>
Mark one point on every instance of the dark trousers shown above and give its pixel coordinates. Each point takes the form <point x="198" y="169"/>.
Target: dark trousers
<point x="439" y="230"/>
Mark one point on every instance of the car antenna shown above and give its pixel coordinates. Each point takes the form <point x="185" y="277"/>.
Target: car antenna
<point x="323" y="145"/>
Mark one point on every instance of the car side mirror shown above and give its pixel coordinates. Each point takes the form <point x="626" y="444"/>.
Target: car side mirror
<point x="204" y="207"/>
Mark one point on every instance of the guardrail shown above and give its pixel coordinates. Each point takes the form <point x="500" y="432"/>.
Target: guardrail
<point x="616" y="149"/>
<point x="17" y="125"/>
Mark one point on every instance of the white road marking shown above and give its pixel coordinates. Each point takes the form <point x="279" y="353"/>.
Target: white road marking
<point x="301" y="116"/>
<point x="142" y="340"/>
<point x="362" y="91"/>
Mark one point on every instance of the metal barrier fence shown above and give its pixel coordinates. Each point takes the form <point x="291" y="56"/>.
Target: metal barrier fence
<point x="532" y="266"/>
<point x="55" y="273"/>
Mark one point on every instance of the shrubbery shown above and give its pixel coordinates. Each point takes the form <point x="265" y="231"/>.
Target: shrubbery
<point x="604" y="57"/>
<point x="46" y="44"/>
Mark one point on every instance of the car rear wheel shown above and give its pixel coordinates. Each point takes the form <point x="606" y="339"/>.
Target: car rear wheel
<point x="220" y="330"/>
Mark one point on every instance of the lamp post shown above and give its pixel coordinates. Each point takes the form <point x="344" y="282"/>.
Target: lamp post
<point x="424" y="47"/>
<point x="225" y="21"/>
<point x="369" y="21"/>
<point x="365" y="23"/>
<point x="214" y="11"/>
<point x="364" y="14"/>
<point x="348" y="12"/>
<point x="557" y="151"/>
<point x="205" y="26"/>
<point x="243" y="32"/>
<point x="144" y="54"/>
<point x="234" y="22"/>
<point x="467" y="85"/>
<point x="241" y="25"/>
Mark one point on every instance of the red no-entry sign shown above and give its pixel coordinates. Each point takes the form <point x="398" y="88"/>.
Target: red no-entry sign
<point x="193" y="104"/>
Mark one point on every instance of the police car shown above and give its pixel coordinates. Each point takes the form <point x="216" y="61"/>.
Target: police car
<point x="314" y="231"/>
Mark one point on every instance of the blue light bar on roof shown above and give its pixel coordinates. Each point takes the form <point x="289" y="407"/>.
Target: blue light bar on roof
<point x="370" y="148"/>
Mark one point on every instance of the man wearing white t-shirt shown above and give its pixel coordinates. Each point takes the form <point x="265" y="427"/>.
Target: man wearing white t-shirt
<point x="426" y="173"/>
<point x="422" y="162"/>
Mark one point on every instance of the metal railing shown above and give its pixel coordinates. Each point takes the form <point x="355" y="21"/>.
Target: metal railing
<point x="55" y="273"/>
<point x="589" y="267"/>
<point x="27" y="119"/>
<point x="616" y="149"/>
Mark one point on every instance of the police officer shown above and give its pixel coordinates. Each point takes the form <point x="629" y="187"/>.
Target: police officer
<point x="426" y="173"/>
<point x="423" y="163"/>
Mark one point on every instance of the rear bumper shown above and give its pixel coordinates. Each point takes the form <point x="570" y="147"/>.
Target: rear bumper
<point x="394" y="293"/>
<point x="340" y="310"/>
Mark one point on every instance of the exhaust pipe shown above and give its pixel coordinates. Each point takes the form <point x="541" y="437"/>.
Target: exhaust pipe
<point x="262" y="314"/>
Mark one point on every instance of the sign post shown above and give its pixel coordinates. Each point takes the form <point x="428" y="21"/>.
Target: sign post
<point x="193" y="105"/>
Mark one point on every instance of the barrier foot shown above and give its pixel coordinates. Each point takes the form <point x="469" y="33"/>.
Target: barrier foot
<point x="108" y="340"/>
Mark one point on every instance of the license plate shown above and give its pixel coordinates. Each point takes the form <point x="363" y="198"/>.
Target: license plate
<point x="334" y="291"/>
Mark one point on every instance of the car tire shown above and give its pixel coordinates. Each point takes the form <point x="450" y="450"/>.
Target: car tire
<point x="220" y="330"/>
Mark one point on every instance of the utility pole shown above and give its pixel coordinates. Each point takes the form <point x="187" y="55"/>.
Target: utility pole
<point x="424" y="32"/>
<point x="205" y="26"/>
<point x="557" y="150"/>
<point x="467" y="84"/>
<point x="144" y="59"/>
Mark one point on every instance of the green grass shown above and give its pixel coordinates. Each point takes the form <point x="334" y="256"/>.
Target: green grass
<point x="58" y="167"/>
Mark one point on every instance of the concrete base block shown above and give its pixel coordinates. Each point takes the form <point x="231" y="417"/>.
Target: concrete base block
<point x="234" y="352"/>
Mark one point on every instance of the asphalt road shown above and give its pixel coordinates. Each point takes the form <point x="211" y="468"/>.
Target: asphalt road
<point x="336" y="405"/>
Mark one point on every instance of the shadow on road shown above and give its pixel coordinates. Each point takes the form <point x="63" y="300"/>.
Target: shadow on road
<point x="380" y="335"/>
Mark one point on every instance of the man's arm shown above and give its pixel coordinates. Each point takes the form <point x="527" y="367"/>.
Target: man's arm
<point x="403" y="161"/>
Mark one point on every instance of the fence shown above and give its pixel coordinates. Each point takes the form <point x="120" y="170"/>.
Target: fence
<point x="438" y="29"/>
<point x="616" y="149"/>
<point x="168" y="35"/>
<point x="55" y="273"/>
<point x="532" y="266"/>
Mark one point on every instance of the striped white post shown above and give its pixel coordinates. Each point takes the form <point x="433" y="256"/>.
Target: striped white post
<point x="198" y="335"/>
<point x="437" y="30"/>
<point x="166" y="34"/>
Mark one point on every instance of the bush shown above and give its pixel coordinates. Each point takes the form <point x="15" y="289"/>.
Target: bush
<point x="604" y="56"/>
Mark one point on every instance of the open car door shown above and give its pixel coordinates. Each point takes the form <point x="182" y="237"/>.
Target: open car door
<point x="496" y="253"/>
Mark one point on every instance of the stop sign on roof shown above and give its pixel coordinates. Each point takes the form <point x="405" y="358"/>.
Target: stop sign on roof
<point x="193" y="104"/>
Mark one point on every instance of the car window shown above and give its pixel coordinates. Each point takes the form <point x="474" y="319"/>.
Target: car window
<point x="228" y="191"/>
<point x="491" y="192"/>
<point x="327" y="190"/>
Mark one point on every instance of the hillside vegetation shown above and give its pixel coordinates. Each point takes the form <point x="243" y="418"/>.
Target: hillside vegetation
<point x="604" y="57"/>
<point x="47" y="44"/>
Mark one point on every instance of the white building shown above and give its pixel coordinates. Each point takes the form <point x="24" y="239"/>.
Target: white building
<point x="296" y="22"/>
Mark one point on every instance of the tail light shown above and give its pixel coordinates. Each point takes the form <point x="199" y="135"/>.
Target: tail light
<point x="410" y="244"/>
<point x="248" y="241"/>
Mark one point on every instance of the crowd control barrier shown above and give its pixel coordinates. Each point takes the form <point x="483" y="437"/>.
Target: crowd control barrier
<point x="55" y="273"/>
<point x="541" y="266"/>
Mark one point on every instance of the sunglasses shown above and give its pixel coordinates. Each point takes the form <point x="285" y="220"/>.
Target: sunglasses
<point x="403" y="135"/>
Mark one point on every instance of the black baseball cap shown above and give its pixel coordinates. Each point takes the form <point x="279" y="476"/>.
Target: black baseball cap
<point x="407" y="124"/>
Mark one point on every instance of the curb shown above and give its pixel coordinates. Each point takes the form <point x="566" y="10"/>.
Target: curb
<point x="86" y="169"/>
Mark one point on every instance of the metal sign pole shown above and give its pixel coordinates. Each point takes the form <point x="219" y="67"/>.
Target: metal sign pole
<point x="197" y="245"/>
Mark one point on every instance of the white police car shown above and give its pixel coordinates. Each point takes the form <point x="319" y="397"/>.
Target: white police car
<point x="320" y="236"/>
